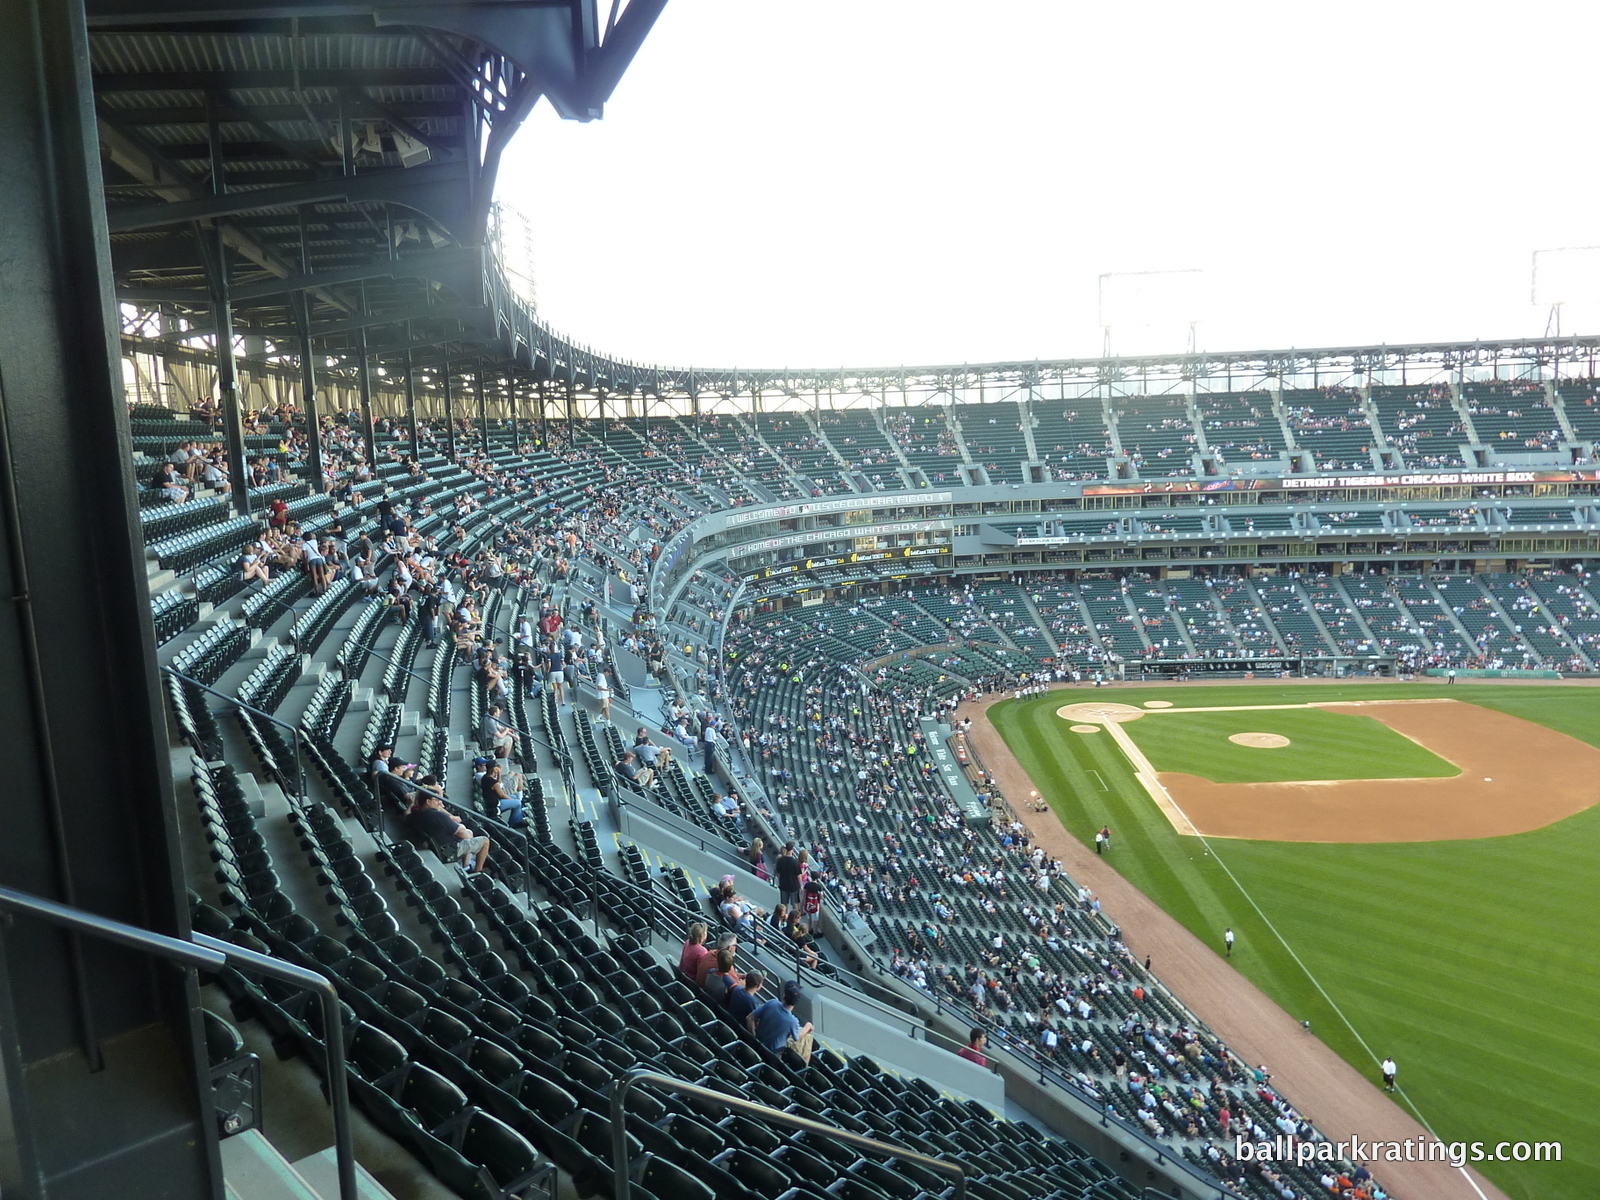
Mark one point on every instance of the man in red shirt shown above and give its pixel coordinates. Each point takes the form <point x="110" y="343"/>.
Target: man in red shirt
<point x="973" y="1050"/>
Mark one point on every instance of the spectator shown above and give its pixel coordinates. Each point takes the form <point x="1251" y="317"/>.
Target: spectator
<point x="253" y="563"/>
<point x="428" y="818"/>
<point x="694" y="949"/>
<point x="709" y="961"/>
<point x="498" y="798"/>
<point x="973" y="1050"/>
<point x="628" y="767"/>
<point x="496" y="736"/>
<point x="723" y="976"/>
<point x="787" y="870"/>
<point x="166" y="482"/>
<point x="777" y="1028"/>
<point x="743" y="999"/>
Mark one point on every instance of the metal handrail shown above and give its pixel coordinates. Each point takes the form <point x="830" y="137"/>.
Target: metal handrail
<point x="210" y="953"/>
<point x="619" y="1132"/>
<point x="299" y="756"/>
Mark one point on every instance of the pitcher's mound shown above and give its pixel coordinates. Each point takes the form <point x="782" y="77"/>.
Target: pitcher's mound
<point x="1085" y="729"/>
<point x="1100" y="712"/>
<point x="1261" y="741"/>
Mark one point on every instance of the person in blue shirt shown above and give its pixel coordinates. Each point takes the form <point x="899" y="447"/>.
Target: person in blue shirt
<point x="777" y="1028"/>
<point x="742" y="1001"/>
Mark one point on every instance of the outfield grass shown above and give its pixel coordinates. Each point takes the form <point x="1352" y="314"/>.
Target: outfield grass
<point x="1322" y="745"/>
<point x="1472" y="962"/>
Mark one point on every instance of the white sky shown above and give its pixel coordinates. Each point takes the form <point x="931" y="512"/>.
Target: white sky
<point x="882" y="182"/>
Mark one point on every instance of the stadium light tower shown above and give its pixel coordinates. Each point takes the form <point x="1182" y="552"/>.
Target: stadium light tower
<point x="1154" y="307"/>
<point x="1565" y="277"/>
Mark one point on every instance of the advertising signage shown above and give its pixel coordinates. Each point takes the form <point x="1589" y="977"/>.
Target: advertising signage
<point x="842" y="535"/>
<point x="1164" y="487"/>
<point x="858" y="558"/>
<point x="1308" y="483"/>
<point x="813" y="507"/>
<point x="1430" y="478"/>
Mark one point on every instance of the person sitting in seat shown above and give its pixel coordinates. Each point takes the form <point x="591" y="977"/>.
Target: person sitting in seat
<point x="253" y="564"/>
<point x="496" y="735"/>
<point x="498" y="797"/>
<point x="799" y="933"/>
<point x="723" y="976"/>
<point x="738" y="912"/>
<point x="628" y="767"/>
<point x="166" y="482"/>
<point x="429" y="819"/>
<point x="778" y="1029"/>
<point x="708" y="962"/>
<point x="742" y="1000"/>
<point x="694" y="949"/>
<point x="394" y="779"/>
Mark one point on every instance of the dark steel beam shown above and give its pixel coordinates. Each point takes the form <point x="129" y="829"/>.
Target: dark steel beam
<point x="308" y="368"/>
<point x="411" y="407"/>
<point x="483" y="409"/>
<point x="449" y="414"/>
<point x="101" y="1060"/>
<point x="222" y="319"/>
<point x="412" y="110"/>
<point x="225" y="81"/>
<point x="111" y="13"/>
<point x="607" y="64"/>
<point x="416" y="312"/>
<point x="364" y="387"/>
<point x="458" y="268"/>
<point x="414" y="188"/>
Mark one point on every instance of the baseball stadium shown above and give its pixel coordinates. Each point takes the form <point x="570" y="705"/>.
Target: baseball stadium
<point x="447" y="759"/>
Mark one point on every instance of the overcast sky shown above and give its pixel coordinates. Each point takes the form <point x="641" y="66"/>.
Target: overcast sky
<point x="881" y="182"/>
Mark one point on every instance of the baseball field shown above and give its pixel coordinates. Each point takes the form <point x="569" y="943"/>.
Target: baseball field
<point x="1413" y="869"/>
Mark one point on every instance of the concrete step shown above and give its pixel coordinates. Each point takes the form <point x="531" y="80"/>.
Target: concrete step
<point x="321" y="1171"/>
<point x="252" y="1169"/>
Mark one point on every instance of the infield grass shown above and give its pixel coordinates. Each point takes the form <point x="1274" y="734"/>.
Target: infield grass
<point x="1322" y="745"/>
<point x="1475" y="963"/>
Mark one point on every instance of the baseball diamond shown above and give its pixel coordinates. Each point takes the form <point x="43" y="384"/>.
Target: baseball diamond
<point x="1405" y="875"/>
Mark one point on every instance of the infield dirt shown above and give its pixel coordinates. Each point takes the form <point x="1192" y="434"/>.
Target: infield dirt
<point x="1515" y="776"/>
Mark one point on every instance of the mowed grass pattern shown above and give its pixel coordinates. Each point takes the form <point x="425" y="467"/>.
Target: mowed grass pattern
<point x="1473" y="962"/>
<point x="1322" y="745"/>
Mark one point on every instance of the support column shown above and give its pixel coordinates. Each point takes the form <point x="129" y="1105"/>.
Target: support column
<point x="449" y="415"/>
<point x="308" y="389"/>
<point x="644" y="414"/>
<point x="364" y="386"/>
<point x="222" y="310"/>
<point x="544" y="414"/>
<point x="228" y="375"/>
<point x="411" y="405"/>
<point x="600" y="396"/>
<point x="102" y="1062"/>
<point x="483" y="409"/>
